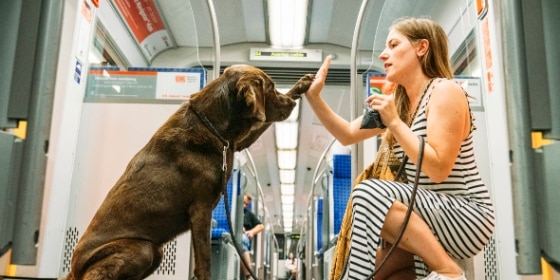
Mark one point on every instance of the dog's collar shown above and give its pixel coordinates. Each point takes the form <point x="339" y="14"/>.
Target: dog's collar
<point x="213" y="129"/>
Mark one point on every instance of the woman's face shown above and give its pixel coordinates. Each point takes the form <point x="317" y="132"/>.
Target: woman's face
<point x="399" y="56"/>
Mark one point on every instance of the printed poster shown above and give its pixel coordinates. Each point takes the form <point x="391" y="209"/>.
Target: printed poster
<point x="146" y="25"/>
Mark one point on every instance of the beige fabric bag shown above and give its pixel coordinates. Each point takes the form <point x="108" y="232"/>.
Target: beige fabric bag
<point x="385" y="167"/>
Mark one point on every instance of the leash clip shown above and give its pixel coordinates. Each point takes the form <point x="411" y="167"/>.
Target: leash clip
<point x="224" y="164"/>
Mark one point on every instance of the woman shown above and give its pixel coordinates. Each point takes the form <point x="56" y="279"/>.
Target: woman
<point x="453" y="214"/>
<point x="291" y="265"/>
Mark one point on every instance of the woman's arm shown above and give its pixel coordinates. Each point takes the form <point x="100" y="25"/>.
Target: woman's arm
<point x="345" y="132"/>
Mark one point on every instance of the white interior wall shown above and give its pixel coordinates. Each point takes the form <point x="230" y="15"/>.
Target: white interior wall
<point x="498" y="144"/>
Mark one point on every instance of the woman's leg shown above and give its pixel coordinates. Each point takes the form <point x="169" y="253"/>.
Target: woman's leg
<point x="368" y="212"/>
<point x="370" y="205"/>
<point x="399" y="265"/>
<point x="419" y="240"/>
<point x="377" y="211"/>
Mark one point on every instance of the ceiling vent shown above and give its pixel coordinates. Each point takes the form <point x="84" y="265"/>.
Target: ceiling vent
<point x="288" y="76"/>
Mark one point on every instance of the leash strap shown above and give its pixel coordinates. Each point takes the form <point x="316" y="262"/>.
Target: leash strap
<point x="410" y="206"/>
<point x="213" y="129"/>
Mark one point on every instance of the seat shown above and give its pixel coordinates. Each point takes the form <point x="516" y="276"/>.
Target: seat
<point x="219" y="215"/>
<point x="225" y="259"/>
<point x="342" y="186"/>
<point x="339" y="194"/>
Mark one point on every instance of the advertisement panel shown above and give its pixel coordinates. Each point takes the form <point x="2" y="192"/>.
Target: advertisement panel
<point x="145" y="25"/>
<point x="113" y="84"/>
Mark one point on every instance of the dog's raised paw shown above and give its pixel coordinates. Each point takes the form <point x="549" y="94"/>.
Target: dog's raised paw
<point x="301" y="86"/>
<point x="305" y="81"/>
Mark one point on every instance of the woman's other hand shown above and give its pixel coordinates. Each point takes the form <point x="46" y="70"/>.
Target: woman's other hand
<point x="385" y="105"/>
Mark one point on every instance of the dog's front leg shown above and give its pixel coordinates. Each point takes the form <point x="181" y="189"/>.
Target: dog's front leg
<point x="201" y="216"/>
<point x="301" y="86"/>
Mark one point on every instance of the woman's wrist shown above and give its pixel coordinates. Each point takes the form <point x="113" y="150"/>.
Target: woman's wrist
<point x="395" y="124"/>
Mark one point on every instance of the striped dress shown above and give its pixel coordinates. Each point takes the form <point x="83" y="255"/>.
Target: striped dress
<point x="458" y="210"/>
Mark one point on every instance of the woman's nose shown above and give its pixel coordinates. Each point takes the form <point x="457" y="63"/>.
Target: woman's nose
<point x="383" y="55"/>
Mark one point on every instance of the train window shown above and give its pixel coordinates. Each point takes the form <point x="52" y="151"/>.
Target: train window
<point x="104" y="51"/>
<point x="465" y="60"/>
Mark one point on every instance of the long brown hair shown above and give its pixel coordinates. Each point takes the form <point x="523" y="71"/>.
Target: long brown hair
<point x="435" y="62"/>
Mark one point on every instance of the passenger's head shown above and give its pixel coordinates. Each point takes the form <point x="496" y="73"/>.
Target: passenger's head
<point x="435" y="61"/>
<point x="247" y="200"/>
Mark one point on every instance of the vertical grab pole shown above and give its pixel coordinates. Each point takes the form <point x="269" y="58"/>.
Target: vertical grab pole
<point x="517" y="99"/>
<point x="310" y="239"/>
<point x="216" y="73"/>
<point x="216" y="36"/>
<point x="310" y="217"/>
<point x="356" y="150"/>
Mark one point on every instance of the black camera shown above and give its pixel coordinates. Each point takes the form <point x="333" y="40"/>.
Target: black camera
<point x="371" y="119"/>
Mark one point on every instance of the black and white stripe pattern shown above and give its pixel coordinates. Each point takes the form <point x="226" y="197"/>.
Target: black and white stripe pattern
<point x="458" y="210"/>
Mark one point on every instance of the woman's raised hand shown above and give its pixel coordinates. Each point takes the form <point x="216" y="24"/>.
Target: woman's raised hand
<point x="319" y="82"/>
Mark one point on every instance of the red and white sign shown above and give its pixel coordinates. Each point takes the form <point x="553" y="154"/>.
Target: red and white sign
<point x="146" y="25"/>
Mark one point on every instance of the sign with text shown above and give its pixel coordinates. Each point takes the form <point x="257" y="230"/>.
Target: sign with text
<point x="146" y="25"/>
<point x="143" y="83"/>
<point x="473" y="87"/>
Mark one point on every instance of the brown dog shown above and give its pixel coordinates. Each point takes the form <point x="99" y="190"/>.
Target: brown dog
<point x="174" y="182"/>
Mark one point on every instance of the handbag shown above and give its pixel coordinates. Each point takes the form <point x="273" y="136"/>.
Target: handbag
<point x="386" y="166"/>
<point x="371" y="119"/>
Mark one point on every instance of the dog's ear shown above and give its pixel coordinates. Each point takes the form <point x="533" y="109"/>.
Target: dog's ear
<point x="251" y="88"/>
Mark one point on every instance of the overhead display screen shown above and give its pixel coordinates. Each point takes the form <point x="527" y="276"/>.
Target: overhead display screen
<point x="270" y="54"/>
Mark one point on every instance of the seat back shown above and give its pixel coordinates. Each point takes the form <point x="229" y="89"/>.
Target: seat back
<point x="340" y="191"/>
<point x="319" y="223"/>
<point x="219" y="215"/>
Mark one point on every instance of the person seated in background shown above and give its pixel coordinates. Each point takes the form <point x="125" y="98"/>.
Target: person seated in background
<point x="251" y="227"/>
<point x="291" y="265"/>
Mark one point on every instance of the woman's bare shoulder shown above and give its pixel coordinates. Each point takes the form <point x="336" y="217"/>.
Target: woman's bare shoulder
<point x="446" y="90"/>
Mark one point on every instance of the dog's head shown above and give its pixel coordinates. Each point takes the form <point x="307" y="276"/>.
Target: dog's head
<point x="257" y="90"/>
<point x="243" y="102"/>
